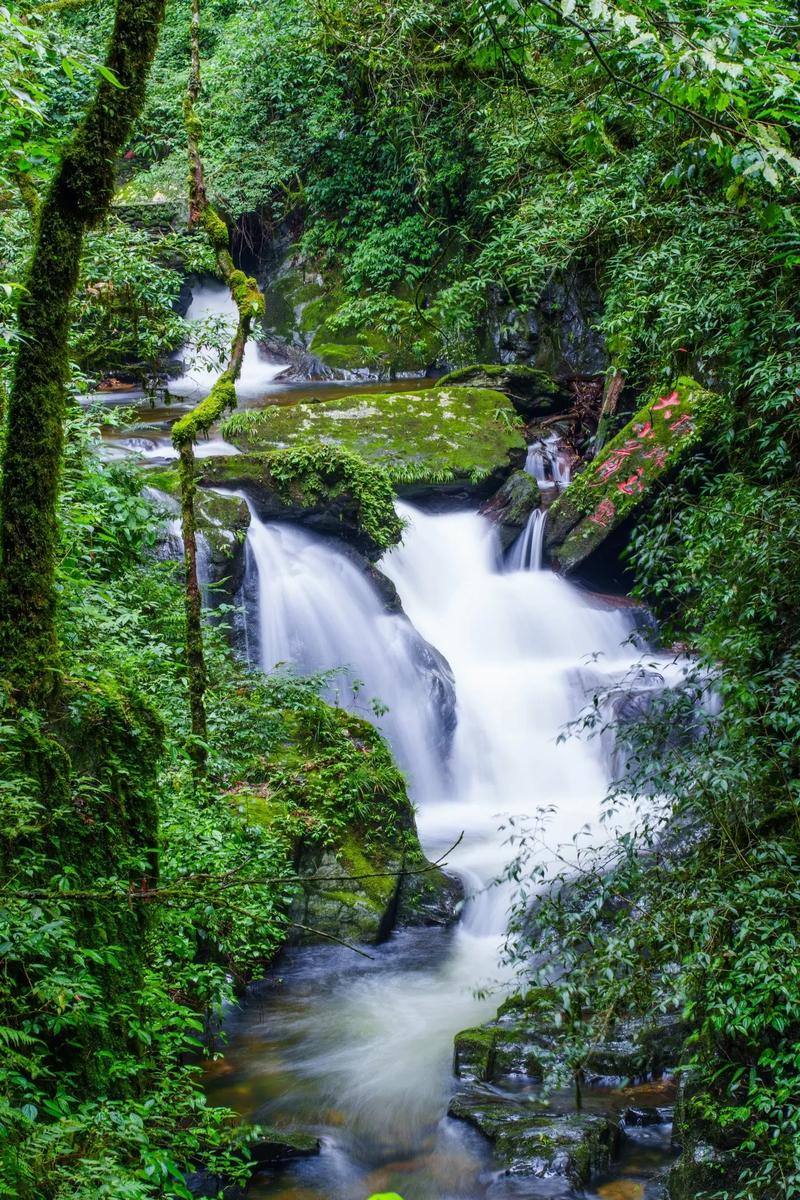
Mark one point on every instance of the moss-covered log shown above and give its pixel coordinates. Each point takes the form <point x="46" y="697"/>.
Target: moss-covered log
<point x="78" y="198"/>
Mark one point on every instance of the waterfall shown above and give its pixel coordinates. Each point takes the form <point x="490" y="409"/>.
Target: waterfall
<point x="213" y="304"/>
<point x="526" y="552"/>
<point x="314" y="608"/>
<point x="546" y="463"/>
<point x="377" y="1043"/>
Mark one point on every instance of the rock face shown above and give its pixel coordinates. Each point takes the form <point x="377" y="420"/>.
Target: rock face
<point x="620" y="481"/>
<point x="559" y="335"/>
<point x="461" y="437"/>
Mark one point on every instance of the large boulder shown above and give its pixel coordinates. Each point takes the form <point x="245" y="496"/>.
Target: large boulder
<point x="336" y="798"/>
<point x="460" y="440"/>
<point x="621" y="480"/>
<point x="326" y="488"/>
<point x="532" y="392"/>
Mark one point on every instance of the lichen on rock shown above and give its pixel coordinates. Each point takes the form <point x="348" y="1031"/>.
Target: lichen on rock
<point x="621" y="479"/>
<point x="430" y="436"/>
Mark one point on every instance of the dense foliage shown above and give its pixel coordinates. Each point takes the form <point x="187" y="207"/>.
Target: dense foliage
<point x="226" y="875"/>
<point x="444" y="169"/>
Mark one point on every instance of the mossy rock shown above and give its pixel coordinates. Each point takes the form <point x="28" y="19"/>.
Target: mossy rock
<point x="340" y="805"/>
<point x="303" y="310"/>
<point x="470" y="436"/>
<point x="533" y="1143"/>
<point x="621" y="480"/>
<point x="512" y="505"/>
<point x="327" y="488"/>
<point x="532" y="392"/>
<point x="473" y="1057"/>
<point x="221" y="523"/>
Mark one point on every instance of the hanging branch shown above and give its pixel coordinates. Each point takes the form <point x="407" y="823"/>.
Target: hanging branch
<point x="249" y="305"/>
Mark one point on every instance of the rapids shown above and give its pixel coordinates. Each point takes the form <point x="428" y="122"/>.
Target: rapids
<point x="361" y="1054"/>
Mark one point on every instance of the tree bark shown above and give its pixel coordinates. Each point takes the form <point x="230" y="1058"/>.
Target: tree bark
<point x="77" y="199"/>
<point x="249" y="304"/>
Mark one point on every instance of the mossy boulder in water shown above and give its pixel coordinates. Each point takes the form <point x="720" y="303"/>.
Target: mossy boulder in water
<point x="530" y="1142"/>
<point x="502" y="1065"/>
<point x="468" y="438"/>
<point x="335" y="795"/>
<point x="326" y="488"/>
<point x="620" y="481"/>
<point x="532" y="392"/>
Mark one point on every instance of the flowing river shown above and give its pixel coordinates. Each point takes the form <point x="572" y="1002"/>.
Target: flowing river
<point x="360" y="1053"/>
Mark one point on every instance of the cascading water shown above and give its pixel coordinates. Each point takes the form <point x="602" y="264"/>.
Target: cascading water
<point x="362" y="1055"/>
<point x="546" y="462"/>
<point x="212" y="302"/>
<point x="526" y="552"/>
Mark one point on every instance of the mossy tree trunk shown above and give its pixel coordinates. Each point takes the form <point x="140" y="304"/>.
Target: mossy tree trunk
<point x="77" y="199"/>
<point x="249" y="304"/>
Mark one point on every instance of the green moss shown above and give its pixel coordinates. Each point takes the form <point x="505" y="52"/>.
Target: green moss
<point x="508" y="377"/>
<point x="221" y="398"/>
<point x="621" y="478"/>
<point x="213" y="225"/>
<point x="77" y="198"/>
<point x="430" y="436"/>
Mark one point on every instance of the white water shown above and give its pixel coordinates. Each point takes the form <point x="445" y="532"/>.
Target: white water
<point x="526" y="552"/>
<point x="212" y="304"/>
<point x="546" y="462"/>
<point x="377" y="1045"/>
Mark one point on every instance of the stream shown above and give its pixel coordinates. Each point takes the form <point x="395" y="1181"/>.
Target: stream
<point x="359" y="1051"/>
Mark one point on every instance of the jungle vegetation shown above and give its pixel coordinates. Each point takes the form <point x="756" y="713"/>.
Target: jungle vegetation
<point x="431" y="160"/>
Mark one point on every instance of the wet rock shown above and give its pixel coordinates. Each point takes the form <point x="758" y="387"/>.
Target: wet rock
<point x="223" y="521"/>
<point x="510" y="507"/>
<point x="529" y="1142"/>
<point x="362" y="897"/>
<point x="503" y="1062"/>
<point x="221" y="524"/>
<point x="473" y="1054"/>
<point x="642" y="1115"/>
<point x="271" y="1148"/>
<point x="277" y="1146"/>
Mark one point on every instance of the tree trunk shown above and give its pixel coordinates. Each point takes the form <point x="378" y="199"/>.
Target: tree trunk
<point x="77" y="199"/>
<point x="249" y="304"/>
